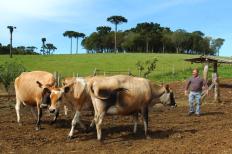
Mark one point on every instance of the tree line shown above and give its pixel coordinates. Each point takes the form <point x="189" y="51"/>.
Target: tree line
<point x="149" y="37"/>
<point x="46" y="49"/>
<point x="22" y="50"/>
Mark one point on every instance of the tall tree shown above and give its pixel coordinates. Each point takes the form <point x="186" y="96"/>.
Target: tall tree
<point x="216" y="44"/>
<point x="104" y="38"/>
<point x="30" y="49"/>
<point x="11" y="28"/>
<point x="77" y="35"/>
<point x="50" y="47"/>
<point x="43" y="45"/>
<point x="165" y="38"/>
<point x="116" y="20"/>
<point x="69" y="34"/>
<point x="179" y="37"/>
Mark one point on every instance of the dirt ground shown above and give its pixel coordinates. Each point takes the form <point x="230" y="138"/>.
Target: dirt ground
<point x="171" y="130"/>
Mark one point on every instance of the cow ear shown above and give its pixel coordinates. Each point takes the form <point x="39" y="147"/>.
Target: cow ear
<point x="39" y="84"/>
<point x="66" y="89"/>
<point x="167" y="88"/>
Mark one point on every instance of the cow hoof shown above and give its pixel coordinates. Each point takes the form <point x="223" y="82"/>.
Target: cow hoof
<point x="37" y="128"/>
<point x="70" y="138"/>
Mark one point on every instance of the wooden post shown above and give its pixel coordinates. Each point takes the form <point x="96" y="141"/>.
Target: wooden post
<point x="95" y="72"/>
<point x="215" y="79"/>
<point x="55" y="75"/>
<point x="58" y="79"/>
<point x="205" y="72"/>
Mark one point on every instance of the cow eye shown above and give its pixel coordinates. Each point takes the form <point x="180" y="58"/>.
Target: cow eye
<point x="60" y="99"/>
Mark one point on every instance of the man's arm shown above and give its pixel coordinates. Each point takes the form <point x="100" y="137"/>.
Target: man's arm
<point x="187" y="86"/>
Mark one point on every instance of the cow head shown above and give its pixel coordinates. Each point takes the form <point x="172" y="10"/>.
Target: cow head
<point x="52" y="96"/>
<point x="167" y="98"/>
<point x="56" y="96"/>
<point x="45" y="93"/>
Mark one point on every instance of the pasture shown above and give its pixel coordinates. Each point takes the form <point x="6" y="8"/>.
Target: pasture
<point x="170" y="67"/>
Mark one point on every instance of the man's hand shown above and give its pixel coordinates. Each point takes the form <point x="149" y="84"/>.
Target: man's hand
<point x="186" y="92"/>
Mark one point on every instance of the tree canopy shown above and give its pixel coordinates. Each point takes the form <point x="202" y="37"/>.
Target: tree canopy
<point x="151" y="37"/>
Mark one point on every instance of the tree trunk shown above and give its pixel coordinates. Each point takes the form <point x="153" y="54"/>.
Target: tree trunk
<point x="71" y="46"/>
<point x="10" y="44"/>
<point x="147" y="45"/>
<point x="177" y="50"/>
<point x="77" y="46"/>
<point x="115" y="39"/>
<point x="163" y="47"/>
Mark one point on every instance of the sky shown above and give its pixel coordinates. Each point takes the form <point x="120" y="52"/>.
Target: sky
<point x="36" y="19"/>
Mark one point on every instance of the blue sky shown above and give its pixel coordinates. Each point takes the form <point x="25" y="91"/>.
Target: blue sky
<point x="35" y="19"/>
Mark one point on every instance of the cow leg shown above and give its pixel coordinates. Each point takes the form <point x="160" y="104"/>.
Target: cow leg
<point x="145" y="120"/>
<point x="135" y="119"/>
<point x="39" y="115"/>
<point x="82" y="125"/>
<point x="99" y="119"/>
<point x="76" y="119"/>
<point x="33" y="112"/>
<point x="100" y="112"/>
<point x="55" y="116"/>
<point x="93" y="122"/>
<point x="17" y="109"/>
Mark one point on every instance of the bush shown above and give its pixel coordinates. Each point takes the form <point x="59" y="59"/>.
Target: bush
<point x="9" y="71"/>
<point x="147" y="66"/>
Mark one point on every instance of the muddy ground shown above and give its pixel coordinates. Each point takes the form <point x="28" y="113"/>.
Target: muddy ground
<point x="171" y="130"/>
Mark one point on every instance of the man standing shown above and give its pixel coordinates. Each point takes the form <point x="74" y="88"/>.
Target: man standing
<point x="195" y="84"/>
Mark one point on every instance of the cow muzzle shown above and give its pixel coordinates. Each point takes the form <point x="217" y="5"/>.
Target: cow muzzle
<point x="52" y="110"/>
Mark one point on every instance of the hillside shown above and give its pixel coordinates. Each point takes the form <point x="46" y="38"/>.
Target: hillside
<point x="170" y="67"/>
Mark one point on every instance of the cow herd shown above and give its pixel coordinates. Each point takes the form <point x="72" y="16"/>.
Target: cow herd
<point x="107" y="95"/>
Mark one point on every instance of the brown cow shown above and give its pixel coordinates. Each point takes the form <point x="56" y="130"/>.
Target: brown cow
<point x="30" y="91"/>
<point x="125" y="95"/>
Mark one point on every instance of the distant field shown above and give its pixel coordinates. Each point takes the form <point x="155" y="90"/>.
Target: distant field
<point x="170" y="67"/>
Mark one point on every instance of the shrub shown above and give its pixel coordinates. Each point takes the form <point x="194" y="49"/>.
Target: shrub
<point x="147" y="66"/>
<point x="9" y="71"/>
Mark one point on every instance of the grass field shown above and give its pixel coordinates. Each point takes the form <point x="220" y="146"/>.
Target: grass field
<point x="170" y="67"/>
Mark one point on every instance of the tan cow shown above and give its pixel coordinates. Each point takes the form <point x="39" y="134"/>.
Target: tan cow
<point x="74" y="92"/>
<point x="125" y="95"/>
<point x="30" y="91"/>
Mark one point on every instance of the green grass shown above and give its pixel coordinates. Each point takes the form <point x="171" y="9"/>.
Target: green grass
<point x="170" y="67"/>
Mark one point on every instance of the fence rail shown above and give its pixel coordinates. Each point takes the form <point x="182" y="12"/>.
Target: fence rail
<point x="107" y="72"/>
